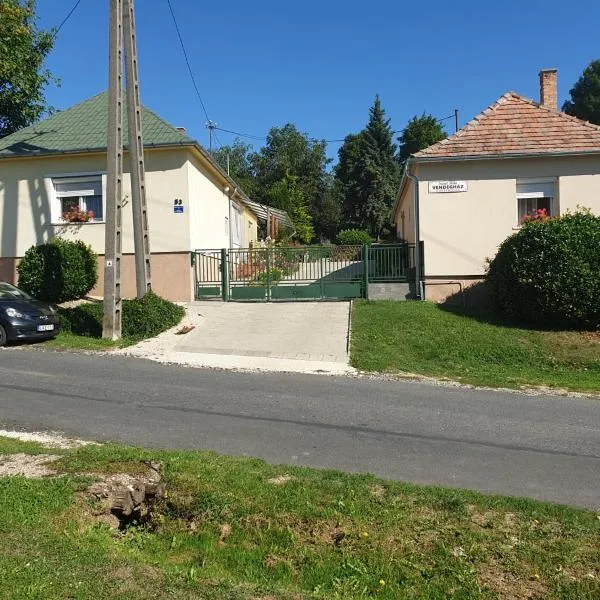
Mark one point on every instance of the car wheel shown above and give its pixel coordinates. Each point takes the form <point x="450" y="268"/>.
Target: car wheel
<point x="3" y="337"/>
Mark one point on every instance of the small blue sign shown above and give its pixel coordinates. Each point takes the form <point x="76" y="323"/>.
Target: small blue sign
<point x="178" y="209"/>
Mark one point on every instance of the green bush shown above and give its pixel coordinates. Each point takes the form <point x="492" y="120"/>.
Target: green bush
<point x="148" y="316"/>
<point x="353" y="237"/>
<point x="272" y="276"/>
<point x="58" y="271"/>
<point x="142" y="318"/>
<point x="549" y="272"/>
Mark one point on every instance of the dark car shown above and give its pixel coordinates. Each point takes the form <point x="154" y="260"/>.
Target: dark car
<point x="25" y="318"/>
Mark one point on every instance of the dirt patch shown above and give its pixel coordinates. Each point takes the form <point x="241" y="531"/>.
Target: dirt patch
<point x="485" y="520"/>
<point x="48" y="439"/>
<point x="280" y="480"/>
<point x="224" y="533"/>
<point x="27" y="465"/>
<point x="378" y="491"/>
<point x="509" y="586"/>
<point x="128" y="497"/>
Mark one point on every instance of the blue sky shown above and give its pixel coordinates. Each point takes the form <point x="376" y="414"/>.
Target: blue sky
<point x="319" y="64"/>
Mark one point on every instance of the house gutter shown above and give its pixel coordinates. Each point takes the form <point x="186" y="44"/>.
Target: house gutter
<point x="419" y="292"/>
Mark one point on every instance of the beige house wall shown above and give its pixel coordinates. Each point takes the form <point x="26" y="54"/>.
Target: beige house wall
<point x="461" y="230"/>
<point x="252" y="227"/>
<point x="209" y="207"/>
<point x="26" y="215"/>
<point x="210" y="211"/>
<point x="26" y="196"/>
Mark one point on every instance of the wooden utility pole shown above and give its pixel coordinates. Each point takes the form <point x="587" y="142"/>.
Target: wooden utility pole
<point x="111" y="326"/>
<point x="122" y="28"/>
<point x="136" y="155"/>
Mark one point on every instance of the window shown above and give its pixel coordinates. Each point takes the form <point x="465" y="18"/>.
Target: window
<point x="236" y="224"/>
<point x="535" y="196"/>
<point x="78" y="199"/>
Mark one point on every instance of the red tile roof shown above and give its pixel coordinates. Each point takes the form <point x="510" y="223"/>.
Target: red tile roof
<point x="516" y="125"/>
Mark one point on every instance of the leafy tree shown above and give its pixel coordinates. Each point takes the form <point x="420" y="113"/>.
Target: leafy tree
<point x="290" y="153"/>
<point x="368" y="174"/>
<point x="326" y="210"/>
<point x="240" y="167"/>
<point x="287" y="195"/>
<point x="585" y="95"/>
<point x="23" y="49"/>
<point x="419" y="133"/>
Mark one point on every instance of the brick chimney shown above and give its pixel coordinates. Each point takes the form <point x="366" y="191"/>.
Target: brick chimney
<point x="548" y="89"/>
<point x="181" y="130"/>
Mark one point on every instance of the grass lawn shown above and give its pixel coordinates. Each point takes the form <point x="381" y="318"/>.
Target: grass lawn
<point x="428" y="339"/>
<point x="66" y="340"/>
<point x="81" y="326"/>
<point x="229" y="529"/>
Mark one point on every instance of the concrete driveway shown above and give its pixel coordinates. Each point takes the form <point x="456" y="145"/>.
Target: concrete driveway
<point x="306" y="337"/>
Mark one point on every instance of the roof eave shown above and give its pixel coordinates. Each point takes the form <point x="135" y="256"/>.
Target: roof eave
<point x="281" y="215"/>
<point x="96" y="150"/>
<point x="502" y="156"/>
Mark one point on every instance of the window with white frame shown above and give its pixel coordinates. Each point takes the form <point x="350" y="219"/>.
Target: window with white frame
<point x="535" y="199"/>
<point x="78" y="199"/>
<point x="236" y="224"/>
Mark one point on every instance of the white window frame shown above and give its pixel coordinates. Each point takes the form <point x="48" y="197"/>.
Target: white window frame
<point x="554" y="204"/>
<point x="55" y="204"/>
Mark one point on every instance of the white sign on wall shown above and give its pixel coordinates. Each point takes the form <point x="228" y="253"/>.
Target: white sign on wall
<point x="447" y="187"/>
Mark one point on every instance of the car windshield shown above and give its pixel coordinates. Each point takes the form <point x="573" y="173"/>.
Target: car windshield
<point x="10" y="292"/>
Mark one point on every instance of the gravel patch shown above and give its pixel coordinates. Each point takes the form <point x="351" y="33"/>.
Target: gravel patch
<point x="48" y="439"/>
<point x="27" y="465"/>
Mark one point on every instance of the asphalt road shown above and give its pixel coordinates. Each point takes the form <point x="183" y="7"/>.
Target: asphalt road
<point x="544" y="447"/>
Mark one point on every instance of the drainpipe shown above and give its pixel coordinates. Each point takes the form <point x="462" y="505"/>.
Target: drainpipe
<point x="418" y="283"/>
<point x="229" y="199"/>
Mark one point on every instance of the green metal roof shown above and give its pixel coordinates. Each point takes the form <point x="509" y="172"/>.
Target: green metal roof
<point x="82" y="128"/>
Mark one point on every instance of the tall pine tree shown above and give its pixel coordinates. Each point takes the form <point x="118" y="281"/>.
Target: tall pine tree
<point x="368" y="174"/>
<point x="585" y="95"/>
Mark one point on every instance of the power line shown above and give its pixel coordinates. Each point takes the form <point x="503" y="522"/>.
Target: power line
<point x="67" y="17"/>
<point x="262" y="138"/>
<point x="187" y="60"/>
<point x="218" y="140"/>
<point x="245" y="135"/>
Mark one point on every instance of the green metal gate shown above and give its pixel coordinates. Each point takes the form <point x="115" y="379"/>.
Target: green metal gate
<point x="271" y="273"/>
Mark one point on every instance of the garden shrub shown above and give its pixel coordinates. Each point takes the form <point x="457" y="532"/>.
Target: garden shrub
<point x="148" y="316"/>
<point x="353" y="237"/>
<point x="58" y="271"/>
<point x="273" y="275"/>
<point x="549" y="272"/>
<point x="142" y="318"/>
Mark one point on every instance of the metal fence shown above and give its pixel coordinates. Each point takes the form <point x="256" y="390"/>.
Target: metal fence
<point x="208" y="273"/>
<point x="392" y="262"/>
<point x="295" y="272"/>
<point x="299" y="272"/>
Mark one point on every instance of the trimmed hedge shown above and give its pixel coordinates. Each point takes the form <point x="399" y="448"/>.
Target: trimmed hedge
<point x="58" y="271"/>
<point x="142" y="318"/>
<point x="353" y="237"/>
<point x="549" y="272"/>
